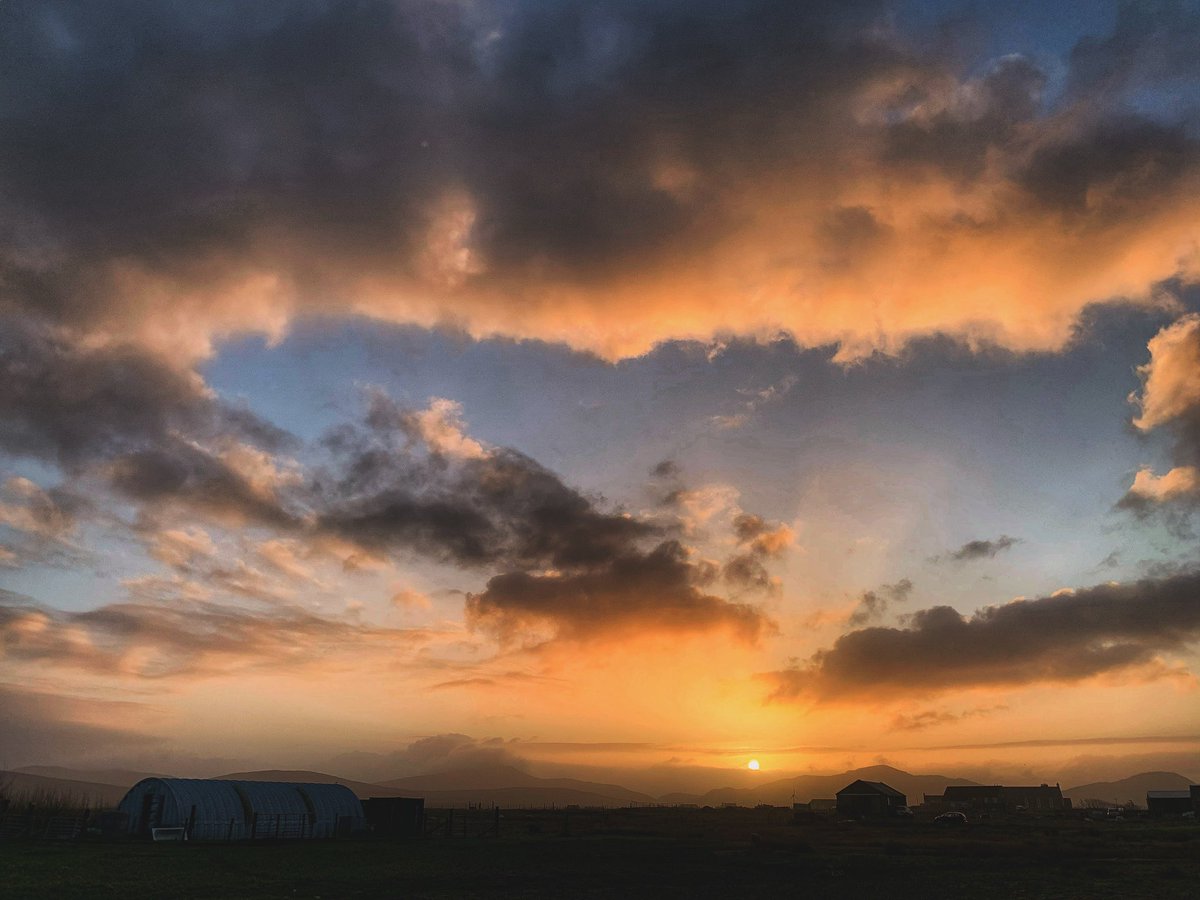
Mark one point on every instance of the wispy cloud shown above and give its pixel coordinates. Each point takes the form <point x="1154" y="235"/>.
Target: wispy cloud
<point x="978" y="549"/>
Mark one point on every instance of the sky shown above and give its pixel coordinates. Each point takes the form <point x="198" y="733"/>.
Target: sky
<point x="633" y="388"/>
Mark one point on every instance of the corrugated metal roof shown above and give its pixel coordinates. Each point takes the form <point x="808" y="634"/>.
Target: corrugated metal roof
<point x="861" y="788"/>
<point x="226" y="810"/>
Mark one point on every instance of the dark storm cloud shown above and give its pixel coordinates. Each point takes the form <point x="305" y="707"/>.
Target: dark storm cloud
<point x="746" y="570"/>
<point x="980" y="549"/>
<point x="958" y="138"/>
<point x="404" y="482"/>
<point x="72" y="405"/>
<point x="565" y="559"/>
<point x="1151" y="40"/>
<point x="160" y="133"/>
<point x="157" y="157"/>
<point x="667" y="469"/>
<point x="181" y="472"/>
<point x="747" y="527"/>
<point x="154" y="431"/>
<point x="874" y="604"/>
<point x="651" y="591"/>
<point x="1114" y="166"/>
<point x="760" y="541"/>
<point x="1062" y="638"/>
<point x="498" y="507"/>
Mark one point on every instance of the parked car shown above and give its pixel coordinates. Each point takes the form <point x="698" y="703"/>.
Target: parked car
<point x="951" y="818"/>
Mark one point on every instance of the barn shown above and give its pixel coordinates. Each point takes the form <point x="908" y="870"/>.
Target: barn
<point x="208" y="810"/>
<point x="870" y="798"/>
<point x="1169" y="803"/>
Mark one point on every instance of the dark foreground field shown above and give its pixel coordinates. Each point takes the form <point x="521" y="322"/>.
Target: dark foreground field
<point x="642" y="853"/>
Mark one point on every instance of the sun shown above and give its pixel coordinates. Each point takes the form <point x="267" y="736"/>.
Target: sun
<point x="752" y="765"/>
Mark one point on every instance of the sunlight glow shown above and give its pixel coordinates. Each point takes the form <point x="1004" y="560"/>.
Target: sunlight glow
<point x="752" y="765"/>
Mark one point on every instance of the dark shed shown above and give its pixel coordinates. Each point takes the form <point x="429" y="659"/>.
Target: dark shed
<point x="870" y="798"/>
<point x="398" y="816"/>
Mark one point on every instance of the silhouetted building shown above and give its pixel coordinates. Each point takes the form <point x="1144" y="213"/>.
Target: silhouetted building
<point x="1170" y="803"/>
<point x="217" y="810"/>
<point x="998" y="798"/>
<point x="395" y="816"/>
<point x="870" y="798"/>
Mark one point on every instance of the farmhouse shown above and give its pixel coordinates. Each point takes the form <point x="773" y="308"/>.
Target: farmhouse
<point x="1000" y="798"/>
<point x="870" y="798"/>
<point x="200" y="809"/>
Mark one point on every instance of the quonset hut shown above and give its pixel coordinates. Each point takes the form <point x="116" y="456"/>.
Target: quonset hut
<point x="207" y="810"/>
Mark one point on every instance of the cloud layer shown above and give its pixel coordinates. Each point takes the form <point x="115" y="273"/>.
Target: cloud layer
<point x="608" y="178"/>
<point x="1066" y="637"/>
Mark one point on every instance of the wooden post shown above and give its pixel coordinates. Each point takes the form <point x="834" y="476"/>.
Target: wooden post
<point x="191" y="822"/>
<point x="254" y="826"/>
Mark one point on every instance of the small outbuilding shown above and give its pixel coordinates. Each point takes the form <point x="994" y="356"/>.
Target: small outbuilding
<point x="1169" y="803"/>
<point x="872" y="799"/>
<point x="395" y="816"/>
<point x="217" y="810"/>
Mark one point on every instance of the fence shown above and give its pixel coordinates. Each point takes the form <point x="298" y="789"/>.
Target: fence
<point x="39" y="825"/>
<point x="462" y="823"/>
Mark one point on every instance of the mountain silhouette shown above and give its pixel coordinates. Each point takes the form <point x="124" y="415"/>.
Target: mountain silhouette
<point x="1128" y="790"/>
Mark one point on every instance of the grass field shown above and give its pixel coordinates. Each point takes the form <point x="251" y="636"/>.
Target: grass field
<point x="641" y="853"/>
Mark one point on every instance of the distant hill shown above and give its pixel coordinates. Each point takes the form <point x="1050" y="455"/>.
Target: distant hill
<point x="511" y="782"/>
<point x="119" y="777"/>
<point x="519" y="796"/>
<point x="26" y="787"/>
<point x="810" y="787"/>
<point x="509" y="786"/>
<point x="1128" y="790"/>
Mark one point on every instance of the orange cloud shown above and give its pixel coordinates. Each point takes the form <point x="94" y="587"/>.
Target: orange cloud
<point x="899" y="194"/>
<point x="1170" y="399"/>
<point x="1181" y="481"/>
<point x="1171" y="380"/>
